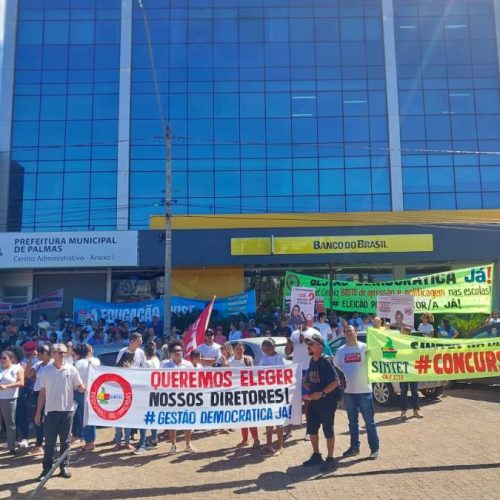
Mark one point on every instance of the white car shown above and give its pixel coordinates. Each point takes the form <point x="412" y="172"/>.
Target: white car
<point x="385" y="394"/>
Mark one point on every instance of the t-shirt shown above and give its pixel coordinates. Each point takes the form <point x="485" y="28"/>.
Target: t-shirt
<point x="183" y="365"/>
<point x="354" y="365"/>
<point x="300" y="352"/>
<point x="209" y="351"/>
<point x="83" y="366"/>
<point x="9" y="376"/>
<point x="59" y="385"/>
<point x="139" y="359"/>
<point x="426" y="328"/>
<point x="277" y="360"/>
<point x="321" y="374"/>
<point x="235" y="335"/>
<point x="238" y="363"/>
<point x="324" y="329"/>
<point x="153" y="363"/>
<point x="38" y="369"/>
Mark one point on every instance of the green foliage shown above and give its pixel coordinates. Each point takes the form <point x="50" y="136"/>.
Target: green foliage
<point x="467" y="324"/>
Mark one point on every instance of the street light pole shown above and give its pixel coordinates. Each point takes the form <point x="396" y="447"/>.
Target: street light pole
<point x="167" y="293"/>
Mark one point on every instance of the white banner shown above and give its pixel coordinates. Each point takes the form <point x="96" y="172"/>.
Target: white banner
<point x="397" y="309"/>
<point x="208" y="398"/>
<point x="68" y="249"/>
<point x="51" y="300"/>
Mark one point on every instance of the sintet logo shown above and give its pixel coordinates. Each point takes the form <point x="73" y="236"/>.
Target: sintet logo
<point x="292" y="280"/>
<point x="110" y="396"/>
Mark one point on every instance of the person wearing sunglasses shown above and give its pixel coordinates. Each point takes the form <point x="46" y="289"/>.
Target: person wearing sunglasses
<point x="57" y="385"/>
<point x="177" y="362"/>
<point x="11" y="379"/>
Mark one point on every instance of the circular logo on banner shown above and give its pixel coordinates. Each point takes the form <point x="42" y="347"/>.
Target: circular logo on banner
<point x="292" y="281"/>
<point x="110" y="396"/>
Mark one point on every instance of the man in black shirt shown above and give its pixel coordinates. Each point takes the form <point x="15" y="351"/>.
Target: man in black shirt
<point x="323" y="387"/>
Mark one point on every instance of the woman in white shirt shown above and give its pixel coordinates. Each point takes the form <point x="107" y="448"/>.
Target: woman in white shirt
<point x="11" y="379"/>
<point x="84" y="356"/>
<point x="239" y="360"/>
<point x="226" y="355"/>
<point x="426" y="326"/>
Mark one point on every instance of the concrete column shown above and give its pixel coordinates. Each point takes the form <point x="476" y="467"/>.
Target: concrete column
<point x="109" y="282"/>
<point x="391" y="84"/>
<point x="123" y="177"/>
<point x="6" y="104"/>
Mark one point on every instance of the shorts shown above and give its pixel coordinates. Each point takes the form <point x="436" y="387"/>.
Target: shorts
<point x="321" y="413"/>
<point x="306" y="390"/>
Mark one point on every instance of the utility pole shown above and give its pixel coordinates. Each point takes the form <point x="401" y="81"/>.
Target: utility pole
<point x="167" y="293"/>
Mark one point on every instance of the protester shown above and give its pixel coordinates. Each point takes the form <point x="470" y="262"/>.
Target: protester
<point x="58" y="381"/>
<point x="220" y="338"/>
<point x="273" y="358"/>
<point x="377" y="325"/>
<point x="426" y="327"/>
<point x="352" y="360"/>
<point x="226" y="355"/>
<point x="356" y="321"/>
<point x="210" y="350"/>
<point x="282" y="330"/>
<point x="195" y="358"/>
<point x="446" y="331"/>
<point x="495" y="318"/>
<point x="234" y="332"/>
<point x="22" y="424"/>
<point x="132" y="356"/>
<point x="84" y="357"/>
<point x="239" y="360"/>
<point x="323" y="327"/>
<point x="11" y="379"/>
<point x="177" y="362"/>
<point x="322" y="382"/>
<point x="35" y="374"/>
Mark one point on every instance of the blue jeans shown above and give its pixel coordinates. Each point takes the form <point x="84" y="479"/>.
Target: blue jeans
<point x="39" y="428"/>
<point x="355" y="403"/>
<point x="142" y="437"/>
<point x="85" y="432"/>
<point x="118" y="435"/>
<point x="415" y="403"/>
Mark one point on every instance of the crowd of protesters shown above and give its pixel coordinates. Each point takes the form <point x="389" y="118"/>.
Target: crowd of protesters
<point x="33" y="356"/>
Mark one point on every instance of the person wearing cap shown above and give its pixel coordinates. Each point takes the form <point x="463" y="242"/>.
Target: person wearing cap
<point x="323" y="382"/>
<point x="352" y="360"/>
<point x="272" y="358"/>
<point x="209" y="350"/>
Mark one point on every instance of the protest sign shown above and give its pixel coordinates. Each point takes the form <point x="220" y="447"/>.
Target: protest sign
<point x="397" y="310"/>
<point x="466" y="290"/>
<point x="51" y="300"/>
<point x="208" y="398"/>
<point x="393" y="357"/>
<point x="302" y="303"/>
<point x="243" y="303"/>
<point x="196" y="332"/>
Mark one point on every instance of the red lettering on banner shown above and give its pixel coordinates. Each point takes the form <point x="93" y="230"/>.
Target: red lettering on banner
<point x="491" y="362"/>
<point x="191" y="379"/>
<point x="435" y="361"/>
<point x="249" y="378"/>
<point x="472" y="362"/>
<point x="468" y="356"/>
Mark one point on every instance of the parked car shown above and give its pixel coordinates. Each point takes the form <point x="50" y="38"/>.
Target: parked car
<point x="107" y="354"/>
<point x="484" y="332"/>
<point x="385" y="394"/>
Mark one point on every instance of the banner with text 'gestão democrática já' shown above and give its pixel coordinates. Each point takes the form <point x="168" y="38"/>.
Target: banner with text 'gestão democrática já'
<point x="208" y="398"/>
<point x="458" y="291"/>
<point x="394" y="357"/>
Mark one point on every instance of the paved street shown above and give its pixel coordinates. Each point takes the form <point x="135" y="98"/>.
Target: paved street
<point x="454" y="452"/>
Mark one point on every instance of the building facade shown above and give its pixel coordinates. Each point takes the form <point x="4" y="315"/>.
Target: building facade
<point x="289" y="118"/>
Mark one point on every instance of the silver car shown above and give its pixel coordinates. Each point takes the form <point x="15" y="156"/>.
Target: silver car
<point x="253" y="347"/>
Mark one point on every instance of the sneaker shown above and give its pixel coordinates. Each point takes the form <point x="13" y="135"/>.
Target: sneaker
<point x="130" y="447"/>
<point x="42" y="476"/>
<point x="307" y="438"/>
<point x="152" y="445"/>
<point x="373" y="455"/>
<point x="351" y="452"/>
<point x="328" y="465"/>
<point x="190" y="449"/>
<point x="23" y="443"/>
<point x="417" y="414"/>
<point x="316" y="459"/>
<point x="139" y="451"/>
<point x="65" y="472"/>
<point x="37" y="450"/>
<point x="403" y="414"/>
<point x="173" y="450"/>
<point x="4" y="446"/>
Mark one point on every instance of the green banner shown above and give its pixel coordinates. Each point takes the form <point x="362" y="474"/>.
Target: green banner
<point x="393" y="357"/>
<point x="459" y="291"/>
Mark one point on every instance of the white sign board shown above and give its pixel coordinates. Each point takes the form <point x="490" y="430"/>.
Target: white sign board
<point x="69" y="249"/>
<point x="397" y="309"/>
<point x="302" y="300"/>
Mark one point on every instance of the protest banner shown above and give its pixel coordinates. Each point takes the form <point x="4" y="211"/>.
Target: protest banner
<point x="51" y="300"/>
<point x="393" y="357"/>
<point x="397" y="310"/>
<point x="208" y="398"/>
<point x="466" y="290"/>
<point x="243" y="303"/>
<point x="302" y="303"/>
<point x="196" y="332"/>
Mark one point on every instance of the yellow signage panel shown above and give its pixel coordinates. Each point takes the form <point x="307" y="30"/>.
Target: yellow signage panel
<point x="294" y="245"/>
<point x="391" y="243"/>
<point x="250" y="246"/>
